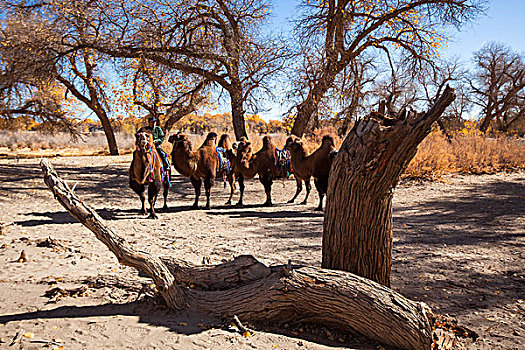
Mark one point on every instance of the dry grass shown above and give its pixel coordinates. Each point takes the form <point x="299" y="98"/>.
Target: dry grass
<point x="469" y="152"/>
<point x="27" y="141"/>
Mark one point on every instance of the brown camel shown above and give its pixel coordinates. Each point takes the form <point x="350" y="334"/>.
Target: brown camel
<point x="316" y="165"/>
<point x="202" y="164"/>
<point x="146" y="170"/>
<point x="246" y="165"/>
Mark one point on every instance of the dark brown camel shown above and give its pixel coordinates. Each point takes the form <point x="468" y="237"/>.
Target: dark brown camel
<point x="246" y="165"/>
<point x="146" y="170"/>
<point x="199" y="165"/>
<point x="316" y="165"/>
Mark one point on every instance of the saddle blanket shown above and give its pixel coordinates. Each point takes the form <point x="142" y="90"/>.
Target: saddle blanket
<point x="224" y="162"/>
<point x="282" y="162"/>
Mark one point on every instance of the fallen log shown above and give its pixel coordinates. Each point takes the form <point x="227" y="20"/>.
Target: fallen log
<point x="253" y="292"/>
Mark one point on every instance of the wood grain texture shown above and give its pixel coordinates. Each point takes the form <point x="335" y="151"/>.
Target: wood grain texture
<point x="357" y="228"/>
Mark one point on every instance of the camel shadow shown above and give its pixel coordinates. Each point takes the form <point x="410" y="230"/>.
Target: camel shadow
<point x="281" y="214"/>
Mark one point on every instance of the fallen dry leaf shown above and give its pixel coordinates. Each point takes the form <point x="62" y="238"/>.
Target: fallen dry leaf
<point x="29" y="335"/>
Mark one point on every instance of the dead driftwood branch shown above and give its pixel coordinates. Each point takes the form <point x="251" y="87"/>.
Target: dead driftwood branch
<point x="253" y="292"/>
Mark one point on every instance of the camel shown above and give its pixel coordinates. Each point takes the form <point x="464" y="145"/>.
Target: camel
<point x="202" y="164"/>
<point x="246" y="165"/>
<point x="316" y="165"/>
<point x="146" y="170"/>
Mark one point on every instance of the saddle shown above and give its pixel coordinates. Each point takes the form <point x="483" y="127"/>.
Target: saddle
<point x="224" y="162"/>
<point x="282" y="162"/>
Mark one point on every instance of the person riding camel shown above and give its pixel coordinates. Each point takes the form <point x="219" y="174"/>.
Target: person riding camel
<point x="158" y="139"/>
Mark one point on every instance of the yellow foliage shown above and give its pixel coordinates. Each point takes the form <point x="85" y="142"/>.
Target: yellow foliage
<point x="469" y="152"/>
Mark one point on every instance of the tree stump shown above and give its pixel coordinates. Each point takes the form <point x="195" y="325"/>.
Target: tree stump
<point x="254" y="292"/>
<point x="357" y="229"/>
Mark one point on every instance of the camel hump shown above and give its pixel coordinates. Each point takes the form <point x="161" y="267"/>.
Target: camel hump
<point x="268" y="143"/>
<point x="225" y="142"/>
<point x="329" y="141"/>
<point x="210" y="140"/>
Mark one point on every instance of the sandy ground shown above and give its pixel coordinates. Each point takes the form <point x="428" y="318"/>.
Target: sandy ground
<point x="458" y="246"/>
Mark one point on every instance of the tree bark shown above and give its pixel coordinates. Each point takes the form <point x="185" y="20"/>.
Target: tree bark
<point x="357" y="229"/>
<point x="239" y="124"/>
<point x="254" y="292"/>
<point x="307" y="109"/>
<point x="108" y="131"/>
<point x="485" y="123"/>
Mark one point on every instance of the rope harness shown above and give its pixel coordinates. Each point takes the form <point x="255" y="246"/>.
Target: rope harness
<point x="147" y="150"/>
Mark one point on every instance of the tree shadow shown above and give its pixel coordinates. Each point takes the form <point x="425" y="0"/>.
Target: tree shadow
<point x="436" y="257"/>
<point x="147" y="311"/>
<point x="50" y="218"/>
<point x="184" y="322"/>
<point x="486" y="207"/>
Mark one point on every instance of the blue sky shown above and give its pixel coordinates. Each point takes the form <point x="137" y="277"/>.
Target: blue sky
<point x="504" y="21"/>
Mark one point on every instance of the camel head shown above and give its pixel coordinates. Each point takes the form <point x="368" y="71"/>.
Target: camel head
<point x="294" y="143"/>
<point x="143" y="141"/>
<point x="235" y="145"/>
<point x="180" y="140"/>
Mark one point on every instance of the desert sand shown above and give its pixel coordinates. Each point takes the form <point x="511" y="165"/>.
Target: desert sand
<point x="458" y="246"/>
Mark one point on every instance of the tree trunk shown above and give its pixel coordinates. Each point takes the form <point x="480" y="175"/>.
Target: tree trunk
<point x="357" y="231"/>
<point x="239" y="125"/>
<point x="173" y="118"/>
<point x="304" y="113"/>
<point x="108" y="130"/>
<point x="255" y="292"/>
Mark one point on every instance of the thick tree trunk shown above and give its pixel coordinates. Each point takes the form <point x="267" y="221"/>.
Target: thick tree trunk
<point x="309" y="107"/>
<point x="305" y="111"/>
<point x="239" y="124"/>
<point x="175" y="117"/>
<point x="357" y="232"/>
<point x="108" y="130"/>
<point x="485" y="123"/>
<point x="254" y="292"/>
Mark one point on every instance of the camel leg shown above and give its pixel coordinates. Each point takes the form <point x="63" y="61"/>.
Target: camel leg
<point x="308" y="188"/>
<point x="208" y="183"/>
<point x="267" y="183"/>
<point x="139" y="189"/>
<point x="231" y="181"/>
<point x="319" y="187"/>
<point x="298" y="190"/>
<point x="153" y="191"/>
<point x="197" y="186"/>
<point x="166" y="189"/>
<point x="240" y="179"/>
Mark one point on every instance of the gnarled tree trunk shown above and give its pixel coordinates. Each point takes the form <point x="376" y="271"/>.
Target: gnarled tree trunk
<point x="357" y="231"/>
<point x="237" y="105"/>
<point x="254" y="292"/>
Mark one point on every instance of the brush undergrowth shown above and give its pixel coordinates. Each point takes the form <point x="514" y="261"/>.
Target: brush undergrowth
<point x="468" y="152"/>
